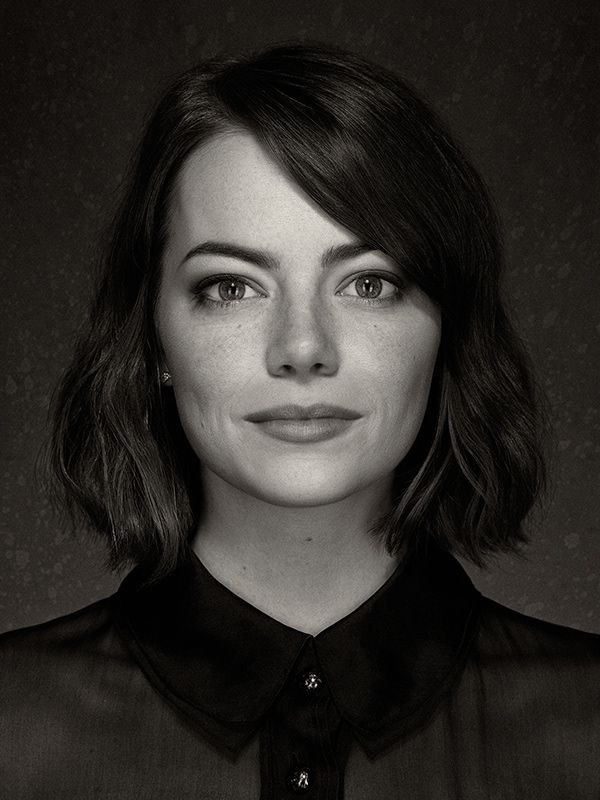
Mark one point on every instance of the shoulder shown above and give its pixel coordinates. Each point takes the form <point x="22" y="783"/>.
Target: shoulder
<point x="528" y="669"/>
<point x="504" y="631"/>
<point x="56" y="681"/>
<point x="56" y="634"/>
<point x="55" y="654"/>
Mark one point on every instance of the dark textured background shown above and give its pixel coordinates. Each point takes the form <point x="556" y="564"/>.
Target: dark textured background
<point x="516" y="82"/>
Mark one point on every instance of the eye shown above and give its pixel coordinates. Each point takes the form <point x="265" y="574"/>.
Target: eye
<point x="223" y="290"/>
<point x="374" y="287"/>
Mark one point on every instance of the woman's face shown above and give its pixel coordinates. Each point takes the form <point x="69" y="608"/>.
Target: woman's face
<point x="267" y="302"/>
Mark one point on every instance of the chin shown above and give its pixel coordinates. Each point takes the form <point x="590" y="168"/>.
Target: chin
<point x="303" y="488"/>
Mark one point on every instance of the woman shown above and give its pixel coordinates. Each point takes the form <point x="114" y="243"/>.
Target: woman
<point x="299" y="393"/>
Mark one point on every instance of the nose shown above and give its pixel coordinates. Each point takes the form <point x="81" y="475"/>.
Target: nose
<point x="302" y="341"/>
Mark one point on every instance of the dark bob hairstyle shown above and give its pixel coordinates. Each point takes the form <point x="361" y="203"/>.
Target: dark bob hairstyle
<point x="374" y="157"/>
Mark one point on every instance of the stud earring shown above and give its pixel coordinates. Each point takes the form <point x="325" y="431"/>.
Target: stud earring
<point x="165" y="377"/>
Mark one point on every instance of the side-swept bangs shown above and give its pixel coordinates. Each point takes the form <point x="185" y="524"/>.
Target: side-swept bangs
<point x="372" y="155"/>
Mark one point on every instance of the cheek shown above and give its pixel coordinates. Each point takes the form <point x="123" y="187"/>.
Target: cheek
<point x="401" y="369"/>
<point x="211" y="363"/>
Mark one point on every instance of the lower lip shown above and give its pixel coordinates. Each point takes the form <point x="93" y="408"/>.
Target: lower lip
<point x="305" y="430"/>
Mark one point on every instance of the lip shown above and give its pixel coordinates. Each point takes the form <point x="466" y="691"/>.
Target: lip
<point x="299" y="413"/>
<point x="314" y="429"/>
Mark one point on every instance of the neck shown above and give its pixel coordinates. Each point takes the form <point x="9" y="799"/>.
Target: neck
<point x="306" y="567"/>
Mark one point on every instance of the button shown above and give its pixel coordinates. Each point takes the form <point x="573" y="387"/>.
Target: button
<point x="299" y="780"/>
<point x="311" y="682"/>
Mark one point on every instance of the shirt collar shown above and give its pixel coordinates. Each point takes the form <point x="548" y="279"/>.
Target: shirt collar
<point x="223" y="662"/>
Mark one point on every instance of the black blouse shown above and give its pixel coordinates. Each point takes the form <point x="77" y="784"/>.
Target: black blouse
<point x="427" y="691"/>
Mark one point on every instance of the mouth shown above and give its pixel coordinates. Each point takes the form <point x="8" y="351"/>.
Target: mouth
<point x="303" y="424"/>
<point x="303" y="413"/>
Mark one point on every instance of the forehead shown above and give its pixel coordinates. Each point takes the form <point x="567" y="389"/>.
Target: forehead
<point x="231" y="188"/>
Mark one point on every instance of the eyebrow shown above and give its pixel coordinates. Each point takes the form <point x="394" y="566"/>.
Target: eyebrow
<point x="333" y="255"/>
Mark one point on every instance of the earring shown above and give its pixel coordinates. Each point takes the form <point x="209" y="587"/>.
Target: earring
<point x="165" y="377"/>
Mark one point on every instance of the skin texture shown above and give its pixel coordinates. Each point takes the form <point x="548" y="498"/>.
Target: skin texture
<point x="289" y="517"/>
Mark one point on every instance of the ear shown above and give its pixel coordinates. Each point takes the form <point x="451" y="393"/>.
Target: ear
<point x="163" y="373"/>
<point x="165" y="377"/>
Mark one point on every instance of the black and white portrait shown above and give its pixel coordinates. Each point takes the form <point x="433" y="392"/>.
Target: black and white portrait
<point x="300" y="406"/>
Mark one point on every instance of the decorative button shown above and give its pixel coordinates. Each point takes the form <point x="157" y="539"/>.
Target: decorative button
<point x="311" y="682"/>
<point x="299" y="780"/>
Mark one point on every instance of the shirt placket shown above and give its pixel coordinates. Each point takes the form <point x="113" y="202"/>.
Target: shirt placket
<point x="302" y="744"/>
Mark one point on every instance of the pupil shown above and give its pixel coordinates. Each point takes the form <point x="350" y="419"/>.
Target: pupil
<point x="231" y="290"/>
<point x="369" y="287"/>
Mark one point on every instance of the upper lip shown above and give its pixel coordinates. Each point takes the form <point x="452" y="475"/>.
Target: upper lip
<point x="303" y="412"/>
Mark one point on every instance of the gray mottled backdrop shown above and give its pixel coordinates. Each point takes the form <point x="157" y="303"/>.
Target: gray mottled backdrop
<point x="514" y="80"/>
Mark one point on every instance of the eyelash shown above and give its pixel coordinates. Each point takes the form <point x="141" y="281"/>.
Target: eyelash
<point x="203" y="300"/>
